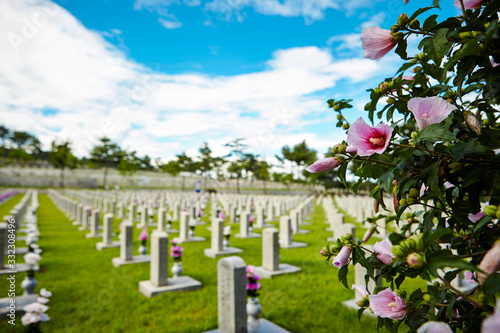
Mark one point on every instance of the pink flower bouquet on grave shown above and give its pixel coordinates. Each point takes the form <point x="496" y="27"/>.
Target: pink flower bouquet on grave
<point x="253" y="286"/>
<point x="143" y="237"/>
<point x="176" y="251"/>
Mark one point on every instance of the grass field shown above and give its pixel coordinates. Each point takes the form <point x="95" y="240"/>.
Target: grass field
<point x="90" y="295"/>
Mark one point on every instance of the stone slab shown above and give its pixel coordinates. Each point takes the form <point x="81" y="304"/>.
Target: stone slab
<point x="148" y="225"/>
<point x="332" y="239"/>
<point x="19" y="268"/>
<point x="82" y="229"/>
<point x="283" y="269"/>
<point x="250" y="235"/>
<point x="265" y="327"/>
<point x="193" y="239"/>
<point x="227" y="250"/>
<point x="101" y="245"/>
<point x="117" y="262"/>
<point x="93" y="236"/>
<point x="182" y="283"/>
<point x="293" y="245"/>
<point x="266" y="225"/>
<point x="303" y="231"/>
<point x="171" y="231"/>
<point x="19" y="251"/>
<point x="21" y="301"/>
<point x="306" y="223"/>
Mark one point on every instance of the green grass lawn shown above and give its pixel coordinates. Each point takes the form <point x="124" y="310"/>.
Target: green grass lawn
<point x="90" y="295"/>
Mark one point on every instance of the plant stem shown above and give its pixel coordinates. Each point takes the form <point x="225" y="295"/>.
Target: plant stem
<point x="449" y="286"/>
<point x="374" y="161"/>
<point x="420" y="148"/>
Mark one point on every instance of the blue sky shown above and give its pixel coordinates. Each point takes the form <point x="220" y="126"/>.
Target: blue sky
<point x="163" y="76"/>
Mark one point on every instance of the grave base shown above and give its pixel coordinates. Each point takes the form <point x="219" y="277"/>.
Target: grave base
<point x="182" y="283"/>
<point x="351" y="304"/>
<point x="266" y="225"/>
<point x="227" y="250"/>
<point x="148" y="225"/>
<point x="303" y="231"/>
<point x="193" y="239"/>
<point x="18" y="251"/>
<point x="332" y="239"/>
<point x="265" y="327"/>
<point x="293" y="245"/>
<point x="93" y="235"/>
<point x="283" y="269"/>
<point x="76" y="223"/>
<point x="82" y="228"/>
<point x="19" y="268"/>
<point x="101" y="245"/>
<point x="21" y="302"/>
<point x="117" y="262"/>
<point x="171" y="231"/>
<point x="250" y="235"/>
<point x="306" y="223"/>
<point x="20" y="238"/>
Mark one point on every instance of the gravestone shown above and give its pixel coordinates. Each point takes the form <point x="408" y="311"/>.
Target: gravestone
<point x="244" y="227"/>
<point x="231" y="299"/>
<point x="158" y="282"/>
<point x="270" y="256"/>
<point x="126" y="248"/>
<point x="107" y="241"/>
<point x="85" y="218"/>
<point x="286" y="235"/>
<point x="217" y="237"/>
<point x="94" y="225"/>
<point x="184" y="230"/>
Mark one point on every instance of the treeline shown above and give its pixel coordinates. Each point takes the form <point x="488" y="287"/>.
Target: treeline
<point x="22" y="148"/>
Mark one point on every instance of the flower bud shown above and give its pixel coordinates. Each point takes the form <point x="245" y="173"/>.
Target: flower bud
<point x="473" y="123"/>
<point x="395" y="201"/>
<point x="395" y="28"/>
<point x="397" y="37"/>
<point x="413" y="192"/>
<point x="348" y="237"/>
<point x="336" y="107"/>
<point x="364" y="303"/>
<point x="345" y="126"/>
<point x="391" y="100"/>
<point x="414" y="24"/>
<point x="455" y="166"/>
<point x="324" y="252"/>
<point x="415" y="260"/>
<point x="398" y="251"/>
<point x="490" y="210"/>
<point x="340" y="117"/>
<point x="403" y="20"/>
<point x="427" y="297"/>
<point x="498" y="213"/>
<point x="368" y="234"/>
<point x="414" y="135"/>
<point x="410" y="201"/>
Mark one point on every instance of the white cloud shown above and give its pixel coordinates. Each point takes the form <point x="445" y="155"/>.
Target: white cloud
<point x="97" y="91"/>
<point x="169" y="24"/>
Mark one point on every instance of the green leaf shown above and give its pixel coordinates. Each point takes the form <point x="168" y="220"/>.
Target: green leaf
<point x="441" y="45"/>
<point x="423" y="10"/>
<point x="401" y="49"/>
<point x="437" y="132"/>
<point x="343" y="275"/>
<point x="431" y="236"/>
<point x="378" y="194"/>
<point x="442" y="259"/>
<point x="472" y="47"/>
<point x="492" y="284"/>
<point x="460" y="150"/>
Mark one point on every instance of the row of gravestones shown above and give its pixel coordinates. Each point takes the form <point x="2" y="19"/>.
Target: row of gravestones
<point x="21" y="221"/>
<point x="159" y="281"/>
<point x="16" y="214"/>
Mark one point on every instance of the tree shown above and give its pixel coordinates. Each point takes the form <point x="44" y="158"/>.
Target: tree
<point x="172" y="167"/>
<point x="61" y="157"/>
<point x="27" y="142"/>
<point x="108" y="155"/>
<point x="186" y="165"/>
<point x="129" y="164"/>
<point x="300" y="156"/>
<point x="446" y="169"/>
<point x="237" y="166"/>
<point x="262" y="173"/>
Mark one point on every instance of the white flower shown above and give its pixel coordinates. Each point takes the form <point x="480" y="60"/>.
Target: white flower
<point x="32" y="258"/>
<point x="42" y="300"/>
<point x="45" y="293"/>
<point x="35" y="307"/>
<point x="227" y="230"/>
<point x="29" y="318"/>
